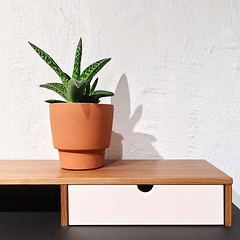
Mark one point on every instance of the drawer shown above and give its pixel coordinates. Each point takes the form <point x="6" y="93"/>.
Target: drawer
<point x="162" y="205"/>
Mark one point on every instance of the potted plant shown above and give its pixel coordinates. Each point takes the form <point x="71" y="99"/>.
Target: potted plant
<point x="81" y="127"/>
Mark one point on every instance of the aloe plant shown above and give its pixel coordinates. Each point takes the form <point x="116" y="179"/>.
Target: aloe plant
<point x="77" y="88"/>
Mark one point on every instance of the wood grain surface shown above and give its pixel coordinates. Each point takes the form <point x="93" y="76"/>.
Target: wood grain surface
<point x="228" y="205"/>
<point x="64" y="205"/>
<point x="44" y="172"/>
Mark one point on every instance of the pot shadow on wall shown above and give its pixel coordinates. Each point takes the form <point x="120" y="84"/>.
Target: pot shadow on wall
<point x="134" y="145"/>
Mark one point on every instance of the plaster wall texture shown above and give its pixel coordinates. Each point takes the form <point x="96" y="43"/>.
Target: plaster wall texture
<point x="175" y="68"/>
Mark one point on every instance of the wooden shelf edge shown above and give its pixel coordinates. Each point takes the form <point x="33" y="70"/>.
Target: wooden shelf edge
<point x="228" y="205"/>
<point x="64" y="205"/>
<point x="113" y="181"/>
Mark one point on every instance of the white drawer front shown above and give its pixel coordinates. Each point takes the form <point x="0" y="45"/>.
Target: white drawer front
<point x="163" y="205"/>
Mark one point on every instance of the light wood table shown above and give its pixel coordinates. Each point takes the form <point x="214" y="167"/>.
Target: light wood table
<point x="119" y="172"/>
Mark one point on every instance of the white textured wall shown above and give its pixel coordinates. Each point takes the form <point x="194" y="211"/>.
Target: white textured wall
<point x="175" y="69"/>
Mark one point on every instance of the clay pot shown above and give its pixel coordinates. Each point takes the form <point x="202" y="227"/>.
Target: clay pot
<point x="81" y="132"/>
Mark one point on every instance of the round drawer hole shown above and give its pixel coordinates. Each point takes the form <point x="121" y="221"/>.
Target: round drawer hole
<point x="145" y="188"/>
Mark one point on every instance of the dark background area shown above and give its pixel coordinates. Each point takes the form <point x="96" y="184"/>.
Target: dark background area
<point x="30" y="198"/>
<point x="33" y="213"/>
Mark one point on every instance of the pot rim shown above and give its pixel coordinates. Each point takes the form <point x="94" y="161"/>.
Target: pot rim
<point x="73" y="103"/>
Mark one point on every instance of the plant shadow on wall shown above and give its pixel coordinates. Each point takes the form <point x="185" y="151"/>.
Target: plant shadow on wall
<point x="136" y="145"/>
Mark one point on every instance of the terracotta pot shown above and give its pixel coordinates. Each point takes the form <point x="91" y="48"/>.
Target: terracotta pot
<point x="81" y="132"/>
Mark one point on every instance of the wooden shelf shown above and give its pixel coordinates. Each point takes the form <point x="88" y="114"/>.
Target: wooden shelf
<point x="160" y="172"/>
<point x="118" y="172"/>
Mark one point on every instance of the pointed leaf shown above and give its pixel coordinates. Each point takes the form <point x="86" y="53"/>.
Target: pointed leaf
<point x="101" y="93"/>
<point x="56" y="87"/>
<point x="54" y="101"/>
<point x="95" y="95"/>
<point x="76" y="89"/>
<point x="94" y="85"/>
<point x="68" y="77"/>
<point x="94" y="99"/>
<point x="87" y="89"/>
<point x="77" y="62"/>
<point x="77" y="83"/>
<point x="93" y="69"/>
<point x="51" y="63"/>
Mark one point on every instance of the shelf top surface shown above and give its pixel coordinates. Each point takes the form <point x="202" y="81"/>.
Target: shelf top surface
<point x="162" y="172"/>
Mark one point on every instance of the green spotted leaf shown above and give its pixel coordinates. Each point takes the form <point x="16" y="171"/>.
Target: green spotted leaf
<point x="94" y="85"/>
<point x="56" y="87"/>
<point x="54" y="101"/>
<point x="95" y="95"/>
<point x="93" y="99"/>
<point x="101" y="93"/>
<point x="87" y="89"/>
<point x="76" y="90"/>
<point x="68" y="77"/>
<point x="77" y="62"/>
<point x="93" y="69"/>
<point x="51" y="63"/>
